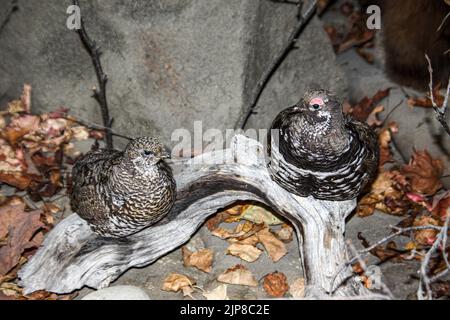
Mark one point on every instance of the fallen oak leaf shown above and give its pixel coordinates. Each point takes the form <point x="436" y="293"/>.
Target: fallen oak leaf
<point x="275" y="284"/>
<point x="18" y="180"/>
<point x="201" y="259"/>
<point x="176" y="282"/>
<point x="21" y="228"/>
<point x="246" y="252"/>
<point x="365" y="107"/>
<point x="423" y="173"/>
<point x="440" y="207"/>
<point x="239" y="275"/>
<point x="274" y="247"/>
<point x="426" y="236"/>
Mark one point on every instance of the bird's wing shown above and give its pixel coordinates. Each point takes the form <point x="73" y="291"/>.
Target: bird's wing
<point x="369" y="137"/>
<point x="89" y="176"/>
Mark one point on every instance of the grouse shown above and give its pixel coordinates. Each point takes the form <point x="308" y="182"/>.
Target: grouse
<point x="120" y="193"/>
<point x="316" y="150"/>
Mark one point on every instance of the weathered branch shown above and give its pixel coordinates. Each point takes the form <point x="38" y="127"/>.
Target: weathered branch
<point x="99" y="93"/>
<point x="439" y="111"/>
<point x="278" y="60"/>
<point x="72" y="256"/>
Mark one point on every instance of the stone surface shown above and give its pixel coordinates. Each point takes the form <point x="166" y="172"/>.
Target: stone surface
<point x="169" y="62"/>
<point x="118" y="293"/>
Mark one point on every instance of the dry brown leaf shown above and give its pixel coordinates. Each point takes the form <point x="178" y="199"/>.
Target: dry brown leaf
<point x="440" y="207"/>
<point x="20" y="226"/>
<point x="244" y="251"/>
<point x="274" y="247"/>
<point x="242" y="231"/>
<point x="366" y="106"/>
<point x="219" y="293"/>
<point x="285" y="234"/>
<point x="427" y="236"/>
<point x="424" y="173"/>
<point x="201" y="259"/>
<point x="297" y="288"/>
<point x="275" y="284"/>
<point x="176" y="282"/>
<point x="384" y="196"/>
<point x="239" y="275"/>
<point x="251" y="240"/>
<point x="425" y="102"/>
<point x="214" y="222"/>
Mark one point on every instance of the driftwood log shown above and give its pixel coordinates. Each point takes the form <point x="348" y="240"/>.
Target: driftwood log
<point x="72" y="256"/>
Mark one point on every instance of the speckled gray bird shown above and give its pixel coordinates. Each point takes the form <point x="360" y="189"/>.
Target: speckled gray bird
<point x="316" y="150"/>
<point x="120" y="193"/>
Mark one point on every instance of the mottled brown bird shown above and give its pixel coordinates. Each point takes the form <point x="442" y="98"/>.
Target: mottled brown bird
<point x="120" y="193"/>
<point x="316" y="150"/>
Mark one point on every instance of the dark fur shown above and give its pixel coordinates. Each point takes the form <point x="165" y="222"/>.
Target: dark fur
<point x="410" y="32"/>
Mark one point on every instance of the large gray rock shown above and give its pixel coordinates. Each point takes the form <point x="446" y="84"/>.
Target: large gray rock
<point x="169" y="62"/>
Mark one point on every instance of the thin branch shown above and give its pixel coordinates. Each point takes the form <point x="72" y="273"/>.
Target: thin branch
<point x="425" y="280"/>
<point x="95" y="126"/>
<point x="388" y="238"/>
<point x="13" y="8"/>
<point x="363" y="265"/>
<point x="100" y="93"/>
<point x="439" y="111"/>
<point x="443" y="22"/>
<point x="278" y="60"/>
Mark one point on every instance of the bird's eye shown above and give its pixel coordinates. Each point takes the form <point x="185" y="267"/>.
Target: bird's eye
<point x="315" y="107"/>
<point x="147" y="153"/>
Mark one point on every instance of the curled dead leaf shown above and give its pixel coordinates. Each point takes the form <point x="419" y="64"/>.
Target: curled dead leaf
<point x="239" y="275"/>
<point x="274" y="247"/>
<point x="201" y="259"/>
<point x="423" y="173"/>
<point x="275" y="284"/>
<point x="176" y="282"/>
<point x="244" y="251"/>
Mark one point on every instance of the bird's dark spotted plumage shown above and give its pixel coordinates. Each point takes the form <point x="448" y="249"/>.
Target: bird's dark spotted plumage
<point x="120" y="193"/>
<point x="316" y="150"/>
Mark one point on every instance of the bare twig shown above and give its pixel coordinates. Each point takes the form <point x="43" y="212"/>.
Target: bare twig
<point x="100" y="93"/>
<point x="425" y="280"/>
<point x="363" y="265"/>
<point x="95" y="126"/>
<point x="443" y="22"/>
<point x="439" y="111"/>
<point x="278" y="60"/>
<point x="388" y="238"/>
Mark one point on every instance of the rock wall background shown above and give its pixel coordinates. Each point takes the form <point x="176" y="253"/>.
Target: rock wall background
<point x="170" y="62"/>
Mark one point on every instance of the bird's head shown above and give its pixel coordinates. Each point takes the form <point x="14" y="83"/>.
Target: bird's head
<point x="146" y="151"/>
<point x="318" y="108"/>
